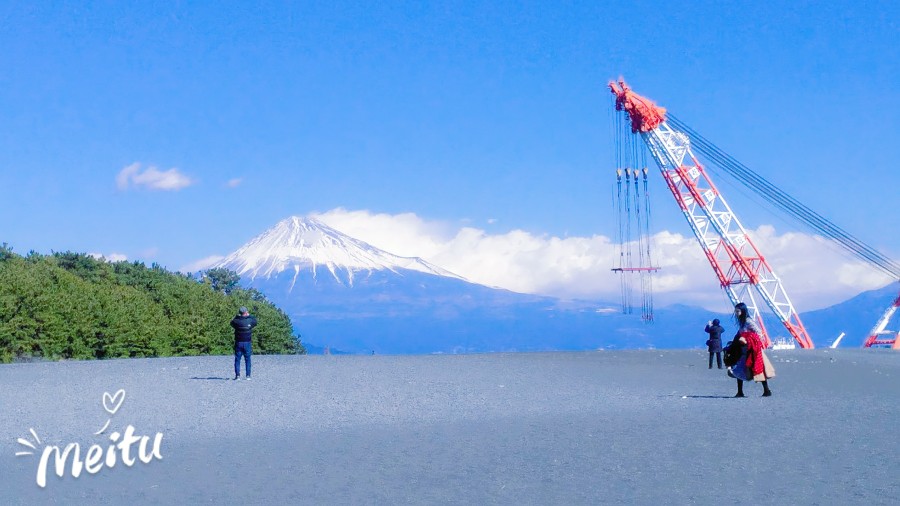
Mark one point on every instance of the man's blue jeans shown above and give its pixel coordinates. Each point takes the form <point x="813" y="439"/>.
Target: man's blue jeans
<point x="242" y="349"/>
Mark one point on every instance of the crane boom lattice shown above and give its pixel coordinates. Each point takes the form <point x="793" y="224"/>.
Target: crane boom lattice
<point x="741" y="269"/>
<point x="879" y="336"/>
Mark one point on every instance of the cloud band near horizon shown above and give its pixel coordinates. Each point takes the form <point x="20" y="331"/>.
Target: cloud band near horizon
<point x="580" y="267"/>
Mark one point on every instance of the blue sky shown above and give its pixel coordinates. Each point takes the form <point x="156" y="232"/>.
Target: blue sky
<point x="479" y="119"/>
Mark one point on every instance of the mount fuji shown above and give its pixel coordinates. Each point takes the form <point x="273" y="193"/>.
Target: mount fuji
<point x="300" y="244"/>
<point x="348" y="295"/>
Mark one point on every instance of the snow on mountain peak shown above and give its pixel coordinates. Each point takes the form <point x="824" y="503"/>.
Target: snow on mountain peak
<point x="300" y="243"/>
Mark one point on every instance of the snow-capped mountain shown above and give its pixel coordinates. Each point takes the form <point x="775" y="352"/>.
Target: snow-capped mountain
<point x="348" y="295"/>
<point x="298" y="243"/>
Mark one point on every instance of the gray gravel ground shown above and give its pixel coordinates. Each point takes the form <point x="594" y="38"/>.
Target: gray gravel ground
<point x="607" y="427"/>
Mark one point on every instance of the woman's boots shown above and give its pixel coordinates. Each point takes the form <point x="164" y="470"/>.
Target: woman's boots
<point x="765" y="384"/>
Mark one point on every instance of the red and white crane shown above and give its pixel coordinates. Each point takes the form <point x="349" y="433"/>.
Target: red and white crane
<point x="742" y="270"/>
<point x="737" y="262"/>
<point x="879" y="336"/>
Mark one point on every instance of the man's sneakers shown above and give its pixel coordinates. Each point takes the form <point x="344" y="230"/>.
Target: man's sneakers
<point x="248" y="378"/>
<point x="237" y="377"/>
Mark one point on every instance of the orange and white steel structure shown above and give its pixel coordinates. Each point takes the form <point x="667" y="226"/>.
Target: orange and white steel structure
<point x="879" y="336"/>
<point x="741" y="269"/>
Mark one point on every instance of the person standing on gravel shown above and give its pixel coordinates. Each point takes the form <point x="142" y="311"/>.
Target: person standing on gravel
<point x="753" y="364"/>
<point x="243" y="325"/>
<point x="714" y="343"/>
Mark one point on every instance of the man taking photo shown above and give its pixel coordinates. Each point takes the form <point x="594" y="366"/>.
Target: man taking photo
<point x="243" y="325"/>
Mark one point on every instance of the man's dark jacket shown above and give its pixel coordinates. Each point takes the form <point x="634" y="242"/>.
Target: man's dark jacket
<point x="243" y="328"/>
<point x="715" y="338"/>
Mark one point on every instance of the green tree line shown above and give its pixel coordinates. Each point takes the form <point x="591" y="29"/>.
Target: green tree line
<point x="74" y="306"/>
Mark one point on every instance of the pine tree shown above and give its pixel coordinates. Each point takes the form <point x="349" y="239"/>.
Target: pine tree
<point x="73" y="306"/>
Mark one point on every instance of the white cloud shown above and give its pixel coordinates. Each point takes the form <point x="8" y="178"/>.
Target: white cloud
<point x="202" y="264"/>
<point x="110" y="257"/>
<point x="580" y="266"/>
<point x="234" y="183"/>
<point x="151" y="178"/>
<point x="407" y="234"/>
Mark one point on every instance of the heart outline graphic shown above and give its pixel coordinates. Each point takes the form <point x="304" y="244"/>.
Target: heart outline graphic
<point x="116" y="400"/>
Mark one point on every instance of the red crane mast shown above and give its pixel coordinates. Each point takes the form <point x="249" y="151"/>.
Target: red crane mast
<point x="878" y="336"/>
<point x="741" y="269"/>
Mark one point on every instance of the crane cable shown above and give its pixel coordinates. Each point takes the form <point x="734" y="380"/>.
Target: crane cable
<point x="787" y="203"/>
<point x="632" y="207"/>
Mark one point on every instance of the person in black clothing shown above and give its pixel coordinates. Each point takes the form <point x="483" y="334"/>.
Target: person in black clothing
<point x="243" y="325"/>
<point x="714" y="343"/>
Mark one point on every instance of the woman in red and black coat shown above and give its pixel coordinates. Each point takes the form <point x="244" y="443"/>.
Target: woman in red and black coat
<point x="754" y="364"/>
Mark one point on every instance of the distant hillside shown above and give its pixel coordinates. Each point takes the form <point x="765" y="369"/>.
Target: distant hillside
<point x="855" y="316"/>
<point x="73" y="306"/>
<point x="348" y="295"/>
<point x="351" y="296"/>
